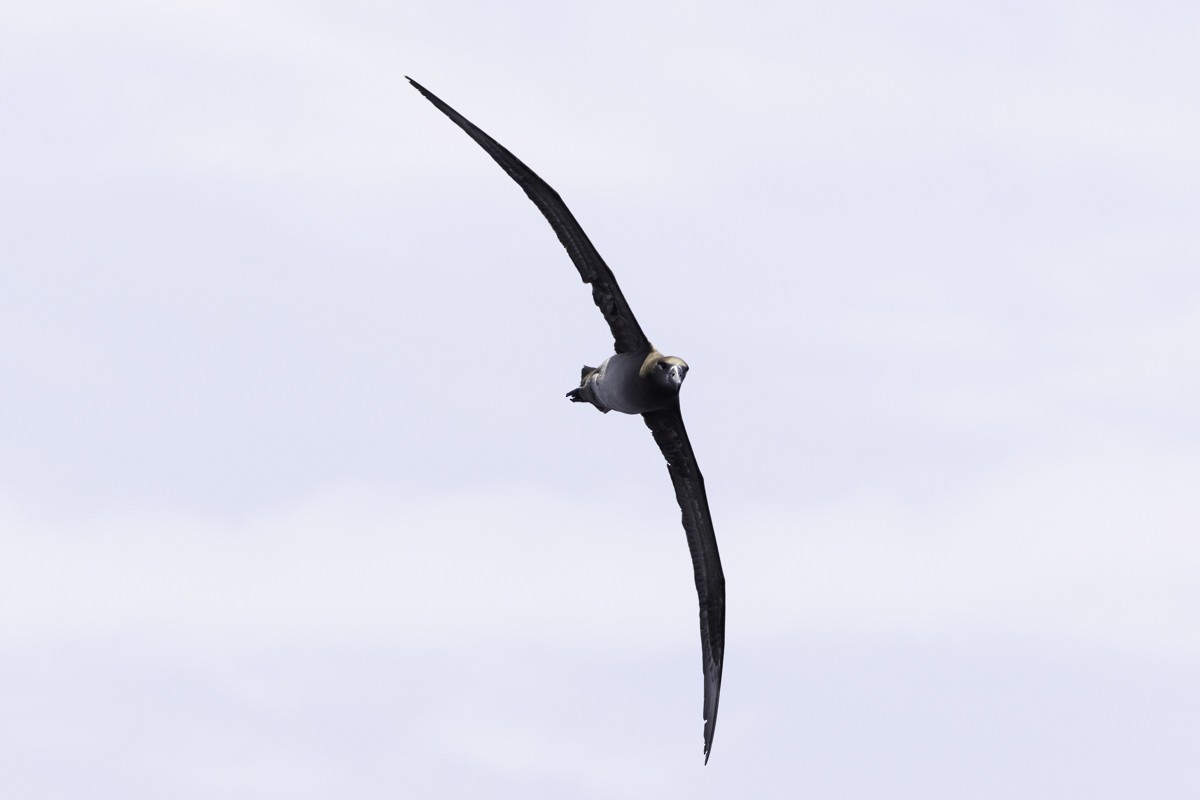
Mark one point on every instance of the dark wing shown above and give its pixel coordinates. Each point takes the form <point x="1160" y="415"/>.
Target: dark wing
<point x="668" y="430"/>
<point x="627" y="334"/>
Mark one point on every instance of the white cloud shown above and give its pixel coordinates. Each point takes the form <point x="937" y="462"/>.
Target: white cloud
<point x="1098" y="547"/>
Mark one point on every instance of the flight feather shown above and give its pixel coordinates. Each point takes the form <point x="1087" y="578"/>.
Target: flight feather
<point x="672" y="439"/>
<point x="627" y="334"/>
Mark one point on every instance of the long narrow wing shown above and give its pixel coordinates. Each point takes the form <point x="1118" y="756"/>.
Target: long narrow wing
<point x="672" y="438"/>
<point x="627" y="334"/>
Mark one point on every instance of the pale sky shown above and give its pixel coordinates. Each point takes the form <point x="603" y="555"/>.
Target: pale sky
<point x="292" y="504"/>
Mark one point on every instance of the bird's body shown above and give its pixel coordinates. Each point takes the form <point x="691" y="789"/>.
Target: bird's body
<point x="637" y="379"/>
<point x="632" y="383"/>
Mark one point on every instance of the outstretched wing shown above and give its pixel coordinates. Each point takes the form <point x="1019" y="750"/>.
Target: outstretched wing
<point x="668" y="430"/>
<point x="627" y="334"/>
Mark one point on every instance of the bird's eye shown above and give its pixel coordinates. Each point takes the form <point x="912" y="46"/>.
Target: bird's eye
<point x="662" y="365"/>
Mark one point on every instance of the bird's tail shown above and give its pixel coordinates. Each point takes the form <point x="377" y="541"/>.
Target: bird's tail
<point x="584" y="394"/>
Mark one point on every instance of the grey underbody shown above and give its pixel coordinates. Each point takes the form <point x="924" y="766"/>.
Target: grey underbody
<point x="619" y="384"/>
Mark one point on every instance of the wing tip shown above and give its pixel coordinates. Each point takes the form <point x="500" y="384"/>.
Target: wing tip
<point x="709" y="730"/>
<point x="712" y="699"/>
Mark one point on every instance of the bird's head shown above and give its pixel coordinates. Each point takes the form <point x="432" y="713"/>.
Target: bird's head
<point x="669" y="372"/>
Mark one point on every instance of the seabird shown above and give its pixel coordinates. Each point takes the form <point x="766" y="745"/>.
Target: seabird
<point x="636" y="380"/>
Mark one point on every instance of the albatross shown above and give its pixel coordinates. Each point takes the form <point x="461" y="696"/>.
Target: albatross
<point x="636" y="379"/>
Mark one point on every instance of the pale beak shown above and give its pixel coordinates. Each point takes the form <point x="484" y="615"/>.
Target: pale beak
<point x="676" y="373"/>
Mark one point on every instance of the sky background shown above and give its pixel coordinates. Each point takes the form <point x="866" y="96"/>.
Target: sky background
<point x="291" y="502"/>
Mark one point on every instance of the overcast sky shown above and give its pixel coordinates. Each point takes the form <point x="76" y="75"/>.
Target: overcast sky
<point x="291" y="502"/>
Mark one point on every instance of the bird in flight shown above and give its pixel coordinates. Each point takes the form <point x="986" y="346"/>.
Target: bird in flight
<point x="636" y="380"/>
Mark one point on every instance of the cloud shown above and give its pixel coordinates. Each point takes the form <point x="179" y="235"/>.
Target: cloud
<point x="1096" y="547"/>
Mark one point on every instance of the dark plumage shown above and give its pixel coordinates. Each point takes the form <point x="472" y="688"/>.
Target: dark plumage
<point x="636" y="380"/>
